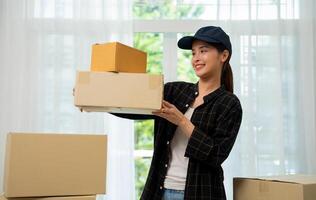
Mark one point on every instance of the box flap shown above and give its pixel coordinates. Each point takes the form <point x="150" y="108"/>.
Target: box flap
<point x="296" y="179"/>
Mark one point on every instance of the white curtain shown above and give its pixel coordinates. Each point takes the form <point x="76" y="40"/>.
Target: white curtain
<point x="274" y="70"/>
<point x="43" y="43"/>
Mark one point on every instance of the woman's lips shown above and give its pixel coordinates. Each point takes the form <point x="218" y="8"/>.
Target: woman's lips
<point x="199" y="66"/>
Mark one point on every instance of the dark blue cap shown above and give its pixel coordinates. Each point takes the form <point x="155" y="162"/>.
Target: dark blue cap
<point x="209" y="34"/>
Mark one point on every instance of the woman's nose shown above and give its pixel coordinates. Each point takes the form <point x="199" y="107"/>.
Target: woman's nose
<point x="195" y="58"/>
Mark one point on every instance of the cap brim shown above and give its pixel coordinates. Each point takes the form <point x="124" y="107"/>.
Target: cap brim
<point x="186" y="42"/>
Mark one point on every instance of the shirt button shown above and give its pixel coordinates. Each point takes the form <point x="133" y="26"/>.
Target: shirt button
<point x="160" y="187"/>
<point x="186" y="105"/>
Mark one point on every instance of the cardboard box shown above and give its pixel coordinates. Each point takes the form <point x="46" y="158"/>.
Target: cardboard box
<point x="291" y="187"/>
<point x="117" y="57"/>
<point x="2" y="197"/>
<point x="118" y="92"/>
<point x="54" y="165"/>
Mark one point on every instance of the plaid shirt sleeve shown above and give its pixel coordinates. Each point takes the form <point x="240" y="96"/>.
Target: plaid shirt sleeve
<point x="212" y="147"/>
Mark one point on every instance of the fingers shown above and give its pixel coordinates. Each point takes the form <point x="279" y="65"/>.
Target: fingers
<point x="167" y="109"/>
<point x="164" y="113"/>
<point x="156" y="112"/>
<point x="159" y="114"/>
<point x="167" y="104"/>
<point x="161" y="111"/>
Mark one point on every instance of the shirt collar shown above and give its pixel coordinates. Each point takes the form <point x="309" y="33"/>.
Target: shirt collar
<point x="211" y="95"/>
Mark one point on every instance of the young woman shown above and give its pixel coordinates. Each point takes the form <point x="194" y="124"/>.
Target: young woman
<point x="197" y="125"/>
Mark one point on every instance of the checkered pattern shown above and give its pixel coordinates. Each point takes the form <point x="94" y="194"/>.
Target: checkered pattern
<point x="217" y="122"/>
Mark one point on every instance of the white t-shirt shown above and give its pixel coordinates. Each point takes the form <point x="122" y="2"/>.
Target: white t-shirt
<point x="178" y="165"/>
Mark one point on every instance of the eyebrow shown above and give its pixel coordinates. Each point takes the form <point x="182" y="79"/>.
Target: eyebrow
<point x="204" y="46"/>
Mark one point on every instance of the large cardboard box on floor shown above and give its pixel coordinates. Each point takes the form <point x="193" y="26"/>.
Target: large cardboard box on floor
<point x="117" y="57"/>
<point x="2" y="197"/>
<point x="119" y="92"/>
<point x="291" y="187"/>
<point x="54" y="164"/>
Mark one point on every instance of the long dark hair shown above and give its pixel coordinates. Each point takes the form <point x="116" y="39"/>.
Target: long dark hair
<point x="227" y="73"/>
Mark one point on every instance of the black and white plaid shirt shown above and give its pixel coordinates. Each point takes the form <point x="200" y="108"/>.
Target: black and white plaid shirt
<point x="217" y="122"/>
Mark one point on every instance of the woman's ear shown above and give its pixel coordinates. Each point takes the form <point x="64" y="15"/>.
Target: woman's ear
<point x="225" y="55"/>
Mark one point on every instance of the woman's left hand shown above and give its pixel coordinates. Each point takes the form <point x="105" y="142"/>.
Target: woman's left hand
<point x="173" y="115"/>
<point x="170" y="113"/>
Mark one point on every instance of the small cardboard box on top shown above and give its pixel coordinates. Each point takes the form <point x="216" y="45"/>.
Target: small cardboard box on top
<point x="42" y="164"/>
<point x="117" y="57"/>
<point x="290" y="187"/>
<point x="136" y="93"/>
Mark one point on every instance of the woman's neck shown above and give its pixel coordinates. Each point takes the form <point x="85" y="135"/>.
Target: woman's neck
<point x="207" y="86"/>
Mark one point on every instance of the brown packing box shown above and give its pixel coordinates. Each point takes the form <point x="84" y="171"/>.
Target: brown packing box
<point x="118" y="92"/>
<point x="52" y="198"/>
<point x="38" y="165"/>
<point x="117" y="57"/>
<point x="291" y="187"/>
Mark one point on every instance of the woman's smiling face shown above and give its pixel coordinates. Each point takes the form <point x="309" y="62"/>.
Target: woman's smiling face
<point x="206" y="60"/>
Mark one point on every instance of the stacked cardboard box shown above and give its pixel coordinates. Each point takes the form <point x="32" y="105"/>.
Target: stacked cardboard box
<point x="55" y="166"/>
<point x="117" y="57"/>
<point x="291" y="187"/>
<point x="2" y="197"/>
<point x="118" y="82"/>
